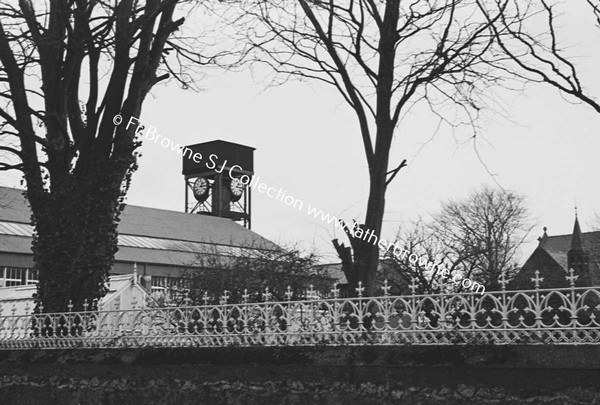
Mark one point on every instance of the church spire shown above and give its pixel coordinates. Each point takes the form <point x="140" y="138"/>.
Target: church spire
<point x="576" y="241"/>
<point x="542" y="239"/>
<point x="577" y="258"/>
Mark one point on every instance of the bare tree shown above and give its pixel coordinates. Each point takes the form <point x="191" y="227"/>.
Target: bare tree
<point x="535" y="49"/>
<point x="249" y="274"/>
<point x="434" y="255"/>
<point x="483" y="233"/>
<point x="399" y="271"/>
<point x="66" y="70"/>
<point x="383" y="57"/>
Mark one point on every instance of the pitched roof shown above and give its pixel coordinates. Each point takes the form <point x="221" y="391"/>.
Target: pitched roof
<point x="145" y="233"/>
<point x="576" y="242"/>
<point x="558" y="246"/>
<point x="157" y="223"/>
<point x="15" y="244"/>
<point x="13" y="206"/>
<point x="21" y="296"/>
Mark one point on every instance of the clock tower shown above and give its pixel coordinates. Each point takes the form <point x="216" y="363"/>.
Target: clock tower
<point x="217" y="178"/>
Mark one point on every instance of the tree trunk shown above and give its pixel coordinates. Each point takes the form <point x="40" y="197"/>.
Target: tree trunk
<point x="79" y="170"/>
<point x="76" y="238"/>
<point x="368" y="259"/>
<point x="363" y="265"/>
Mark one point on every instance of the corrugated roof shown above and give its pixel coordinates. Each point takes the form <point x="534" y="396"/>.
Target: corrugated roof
<point x="167" y="257"/>
<point x="11" y="228"/>
<point x="151" y="222"/>
<point x="22" y="245"/>
<point x="177" y="245"/>
<point x="165" y="224"/>
<point x="15" y="244"/>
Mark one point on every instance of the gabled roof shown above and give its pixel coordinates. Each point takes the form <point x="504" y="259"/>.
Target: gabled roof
<point x="145" y="234"/>
<point x="552" y="272"/>
<point x="117" y="284"/>
<point x="558" y="246"/>
<point x="23" y="294"/>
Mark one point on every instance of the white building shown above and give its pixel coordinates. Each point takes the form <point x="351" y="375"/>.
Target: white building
<point x="125" y="292"/>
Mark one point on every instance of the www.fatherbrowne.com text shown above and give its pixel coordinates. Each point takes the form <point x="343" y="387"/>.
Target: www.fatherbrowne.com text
<point x="280" y="194"/>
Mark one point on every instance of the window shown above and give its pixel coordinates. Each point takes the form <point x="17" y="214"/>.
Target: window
<point x="163" y="283"/>
<point x="32" y="276"/>
<point x="172" y="287"/>
<point x="12" y="276"/>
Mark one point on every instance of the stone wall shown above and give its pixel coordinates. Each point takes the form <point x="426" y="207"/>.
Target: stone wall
<point x="303" y="375"/>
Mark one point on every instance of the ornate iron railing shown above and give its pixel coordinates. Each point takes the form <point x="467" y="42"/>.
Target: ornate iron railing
<point x="538" y="316"/>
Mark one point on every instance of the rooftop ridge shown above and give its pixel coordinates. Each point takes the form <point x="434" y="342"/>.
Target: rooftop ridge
<point x="154" y="223"/>
<point x="131" y="206"/>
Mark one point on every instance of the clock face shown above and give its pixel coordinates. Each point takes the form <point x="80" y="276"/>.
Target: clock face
<point x="200" y="189"/>
<point x="237" y="188"/>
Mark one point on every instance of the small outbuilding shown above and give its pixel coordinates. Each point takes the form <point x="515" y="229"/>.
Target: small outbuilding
<point x="124" y="292"/>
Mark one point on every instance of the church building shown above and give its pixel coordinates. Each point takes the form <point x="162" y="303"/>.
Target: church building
<point x="555" y="255"/>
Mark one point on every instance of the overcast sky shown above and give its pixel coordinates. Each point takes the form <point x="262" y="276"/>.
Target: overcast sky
<point x="307" y="141"/>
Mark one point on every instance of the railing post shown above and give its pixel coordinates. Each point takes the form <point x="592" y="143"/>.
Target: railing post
<point x="572" y="308"/>
<point x="336" y="311"/>
<point x="267" y="313"/>
<point x="413" y="302"/>
<point x="443" y="312"/>
<point x="386" y="311"/>
<point x="206" y="327"/>
<point x="245" y="312"/>
<point x="312" y="325"/>
<point x="223" y="312"/>
<point x="288" y="294"/>
<point x="538" y="315"/>
<point x="288" y="312"/>
<point x="360" y="315"/>
<point x="504" y="311"/>
<point x="223" y="299"/>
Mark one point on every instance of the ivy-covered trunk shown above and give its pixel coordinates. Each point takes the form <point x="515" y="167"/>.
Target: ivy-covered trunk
<point x="76" y="158"/>
<point x="75" y="239"/>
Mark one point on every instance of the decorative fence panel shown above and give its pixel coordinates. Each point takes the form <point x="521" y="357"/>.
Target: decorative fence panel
<point x="538" y="316"/>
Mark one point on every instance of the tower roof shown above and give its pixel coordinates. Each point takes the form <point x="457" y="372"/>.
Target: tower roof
<point x="576" y="241"/>
<point x="543" y="238"/>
